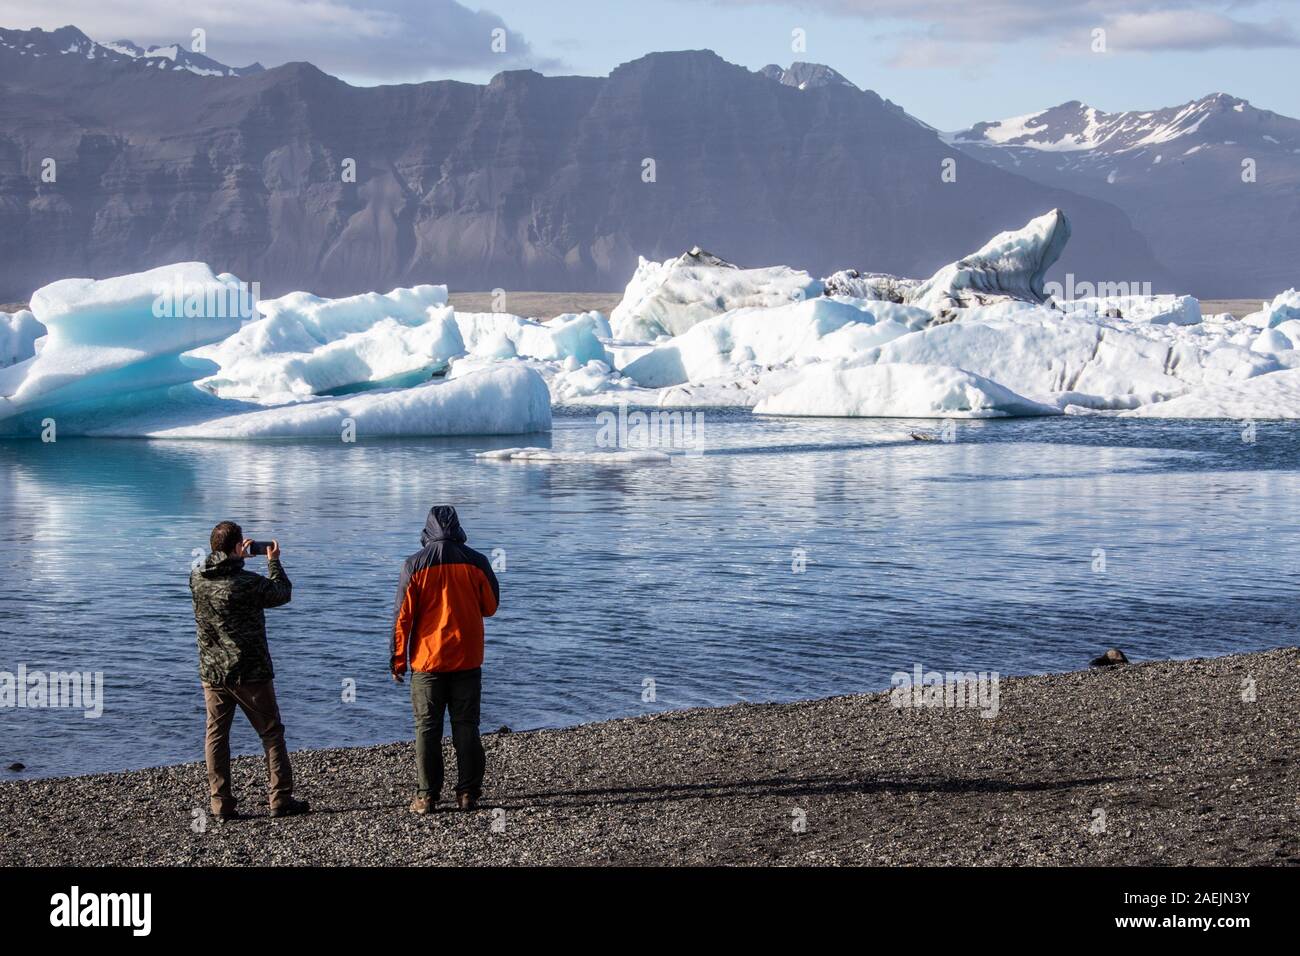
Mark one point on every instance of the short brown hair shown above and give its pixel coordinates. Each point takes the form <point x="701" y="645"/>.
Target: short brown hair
<point x="226" y="537"/>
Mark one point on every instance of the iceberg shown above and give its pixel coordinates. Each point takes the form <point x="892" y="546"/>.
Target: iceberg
<point x="1011" y="265"/>
<point x="500" y="335"/>
<point x="873" y="286"/>
<point x="19" y="332"/>
<point x="1150" y="309"/>
<point x="1068" y="359"/>
<point x="898" y="391"/>
<point x="1285" y="307"/>
<point x="111" y="336"/>
<point x="751" y="341"/>
<point x="668" y="298"/>
<point x="305" y="345"/>
<point x="511" y="400"/>
<point x="1272" y="396"/>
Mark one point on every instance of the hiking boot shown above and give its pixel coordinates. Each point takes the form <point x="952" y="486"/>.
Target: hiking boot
<point x="421" y="806"/>
<point x="293" y="808"/>
<point x="227" y="815"/>
<point x="466" y="801"/>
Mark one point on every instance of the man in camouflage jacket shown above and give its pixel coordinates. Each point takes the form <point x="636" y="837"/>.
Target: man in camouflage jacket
<point x="235" y="664"/>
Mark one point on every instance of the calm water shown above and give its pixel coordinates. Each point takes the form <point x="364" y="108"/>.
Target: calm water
<point x="973" y="555"/>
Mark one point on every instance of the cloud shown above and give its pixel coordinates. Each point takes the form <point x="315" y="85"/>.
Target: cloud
<point x="375" y="39"/>
<point x="944" y="26"/>
<point x="1194" y="30"/>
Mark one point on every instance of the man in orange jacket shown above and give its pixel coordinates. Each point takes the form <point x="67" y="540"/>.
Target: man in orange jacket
<point x="445" y="592"/>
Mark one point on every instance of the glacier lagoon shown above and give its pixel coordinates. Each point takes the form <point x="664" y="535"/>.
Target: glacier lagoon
<point x="979" y="554"/>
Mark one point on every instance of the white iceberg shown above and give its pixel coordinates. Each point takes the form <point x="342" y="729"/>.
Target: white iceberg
<point x="668" y="298"/>
<point x="510" y="400"/>
<point x="1067" y="359"/>
<point x="1151" y="309"/>
<point x="873" y="286"/>
<point x="108" y="337"/>
<point x="500" y="335"/>
<point x="1285" y="307"/>
<point x="305" y="345"/>
<point x="19" y="332"/>
<point x="752" y="341"/>
<point x="1011" y="265"/>
<point x="1272" y="396"/>
<point x="898" y="391"/>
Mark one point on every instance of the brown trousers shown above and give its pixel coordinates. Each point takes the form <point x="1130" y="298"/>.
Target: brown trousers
<point x="257" y="701"/>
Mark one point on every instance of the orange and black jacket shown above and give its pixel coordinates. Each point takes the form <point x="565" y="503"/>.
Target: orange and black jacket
<point x="445" y="592"/>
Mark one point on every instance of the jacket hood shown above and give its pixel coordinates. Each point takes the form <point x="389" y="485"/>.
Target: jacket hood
<point x="219" y="564"/>
<point x="442" y="525"/>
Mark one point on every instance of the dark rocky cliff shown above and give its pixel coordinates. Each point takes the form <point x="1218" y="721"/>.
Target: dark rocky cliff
<point x="528" y="182"/>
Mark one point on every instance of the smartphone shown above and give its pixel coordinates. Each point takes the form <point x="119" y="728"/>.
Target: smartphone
<point x="259" y="547"/>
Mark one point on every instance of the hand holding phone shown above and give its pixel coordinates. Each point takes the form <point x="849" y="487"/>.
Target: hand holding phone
<point x="255" y="548"/>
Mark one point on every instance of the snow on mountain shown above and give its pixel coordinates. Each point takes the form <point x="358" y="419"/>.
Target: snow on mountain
<point x="69" y="41"/>
<point x="814" y="76"/>
<point x="1214" y="184"/>
<point x="806" y="76"/>
<point x="1075" y="126"/>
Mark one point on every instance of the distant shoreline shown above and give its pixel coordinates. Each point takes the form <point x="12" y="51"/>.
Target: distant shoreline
<point x="1165" y="763"/>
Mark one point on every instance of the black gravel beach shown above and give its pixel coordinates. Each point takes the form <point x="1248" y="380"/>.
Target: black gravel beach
<point x="1167" y="762"/>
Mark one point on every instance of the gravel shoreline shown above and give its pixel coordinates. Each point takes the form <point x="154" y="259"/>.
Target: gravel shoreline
<point x="1154" y="763"/>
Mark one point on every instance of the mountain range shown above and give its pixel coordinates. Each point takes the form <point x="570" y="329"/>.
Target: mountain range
<point x="1214" y="184"/>
<point x="544" y="183"/>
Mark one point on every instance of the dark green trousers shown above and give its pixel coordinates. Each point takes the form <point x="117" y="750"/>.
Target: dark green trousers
<point x="458" y="692"/>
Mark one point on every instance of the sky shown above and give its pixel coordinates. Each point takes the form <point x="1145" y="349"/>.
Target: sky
<point x="951" y="63"/>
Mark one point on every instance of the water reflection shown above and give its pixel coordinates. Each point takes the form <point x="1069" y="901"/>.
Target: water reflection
<point x="976" y="555"/>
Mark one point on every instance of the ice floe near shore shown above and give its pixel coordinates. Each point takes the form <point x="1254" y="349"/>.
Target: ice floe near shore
<point x="123" y="334"/>
<point x="1011" y="265"/>
<point x="303" y="345"/>
<point x="1276" y="395"/>
<point x="748" y="341"/>
<point x="509" y="400"/>
<point x="898" y="391"/>
<point x="150" y="354"/>
<point x="18" y="334"/>
<point x="1285" y="307"/>
<point x="667" y="298"/>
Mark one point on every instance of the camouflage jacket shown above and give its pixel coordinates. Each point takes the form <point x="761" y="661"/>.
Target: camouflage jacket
<point x="228" y="610"/>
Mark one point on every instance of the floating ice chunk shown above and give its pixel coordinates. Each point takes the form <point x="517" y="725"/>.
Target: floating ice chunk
<point x="1271" y="340"/>
<point x="324" y="320"/>
<point x="1067" y="359"/>
<point x="669" y="297"/>
<point x="1272" y="396"/>
<point x="499" y="335"/>
<point x="752" y="340"/>
<point x="108" y="337"/>
<point x="18" y="334"/>
<point x="898" y="391"/>
<point x="630" y="457"/>
<point x="1151" y="309"/>
<point x="873" y="286"/>
<point x="510" y="400"/>
<point x="1010" y="265"/>
<point x="306" y="345"/>
<point x="1291" y="329"/>
<point x="255" y="369"/>
<point x="1284" y="308"/>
